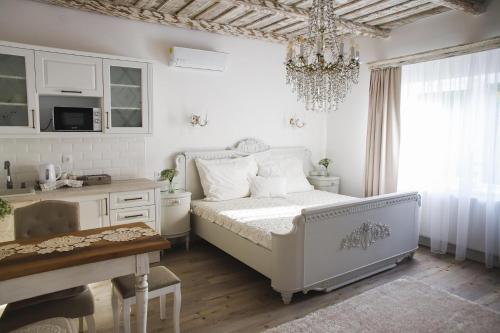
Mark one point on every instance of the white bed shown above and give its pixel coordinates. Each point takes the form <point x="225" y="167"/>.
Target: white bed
<point x="308" y="240"/>
<point x="256" y="219"/>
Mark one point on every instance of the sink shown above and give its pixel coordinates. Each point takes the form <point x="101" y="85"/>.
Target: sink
<point x="16" y="192"/>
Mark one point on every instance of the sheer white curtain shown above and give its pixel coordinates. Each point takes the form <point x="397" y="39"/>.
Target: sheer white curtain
<point x="450" y="150"/>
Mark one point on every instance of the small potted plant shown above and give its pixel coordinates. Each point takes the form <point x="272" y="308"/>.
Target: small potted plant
<point x="168" y="175"/>
<point x="5" y="209"/>
<point x="325" y="163"/>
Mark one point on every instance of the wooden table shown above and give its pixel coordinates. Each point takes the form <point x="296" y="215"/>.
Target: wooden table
<point x="28" y="275"/>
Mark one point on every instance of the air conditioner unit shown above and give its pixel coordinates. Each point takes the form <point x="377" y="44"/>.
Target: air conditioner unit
<point x="198" y="59"/>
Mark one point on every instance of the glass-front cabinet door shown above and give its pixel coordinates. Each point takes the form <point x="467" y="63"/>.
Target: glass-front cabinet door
<point x="126" y="97"/>
<point x="18" y="111"/>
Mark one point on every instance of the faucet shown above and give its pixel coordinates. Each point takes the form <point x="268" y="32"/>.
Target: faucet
<point x="6" y="166"/>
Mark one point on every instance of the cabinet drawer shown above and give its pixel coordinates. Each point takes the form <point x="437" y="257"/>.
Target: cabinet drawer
<point x="131" y="215"/>
<point x="325" y="182"/>
<point x="132" y="199"/>
<point x="332" y="189"/>
<point x="167" y="202"/>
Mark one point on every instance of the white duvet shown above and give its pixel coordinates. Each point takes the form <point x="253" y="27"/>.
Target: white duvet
<point x="255" y="218"/>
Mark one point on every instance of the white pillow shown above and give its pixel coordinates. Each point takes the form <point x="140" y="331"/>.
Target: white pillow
<point x="271" y="187"/>
<point x="226" y="179"/>
<point x="289" y="167"/>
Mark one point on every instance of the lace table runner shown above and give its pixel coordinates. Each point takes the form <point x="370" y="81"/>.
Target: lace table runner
<point x="69" y="243"/>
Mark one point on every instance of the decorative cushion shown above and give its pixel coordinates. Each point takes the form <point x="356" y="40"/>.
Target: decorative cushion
<point x="291" y="168"/>
<point x="268" y="187"/>
<point x="226" y="179"/>
<point x="158" y="277"/>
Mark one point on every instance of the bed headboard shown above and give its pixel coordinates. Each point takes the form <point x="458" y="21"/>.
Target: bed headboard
<point x="189" y="180"/>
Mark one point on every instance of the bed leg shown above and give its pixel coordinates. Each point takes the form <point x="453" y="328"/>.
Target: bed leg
<point x="286" y="297"/>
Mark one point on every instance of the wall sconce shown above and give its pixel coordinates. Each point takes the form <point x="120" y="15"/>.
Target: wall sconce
<point x="296" y="122"/>
<point x="197" y="121"/>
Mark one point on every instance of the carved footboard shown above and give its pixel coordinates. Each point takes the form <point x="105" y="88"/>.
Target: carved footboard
<point x="334" y="245"/>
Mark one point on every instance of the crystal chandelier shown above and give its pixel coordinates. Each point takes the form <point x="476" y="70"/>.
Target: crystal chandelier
<point x="320" y="73"/>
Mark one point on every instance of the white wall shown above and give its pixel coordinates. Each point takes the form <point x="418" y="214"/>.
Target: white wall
<point x="347" y="127"/>
<point x="250" y="99"/>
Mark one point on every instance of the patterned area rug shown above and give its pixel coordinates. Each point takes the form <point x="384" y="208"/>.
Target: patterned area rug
<point x="404" y="305"/>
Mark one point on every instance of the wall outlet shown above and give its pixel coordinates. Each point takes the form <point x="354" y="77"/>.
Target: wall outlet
<point x="67" y="158"/>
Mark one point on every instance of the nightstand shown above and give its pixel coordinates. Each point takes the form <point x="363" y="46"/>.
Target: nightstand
<point x="325" y="183"/>
<point x="175" y="216"/>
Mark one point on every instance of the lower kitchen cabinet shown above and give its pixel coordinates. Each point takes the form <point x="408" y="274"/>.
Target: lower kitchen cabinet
<point x="94" y="210"/>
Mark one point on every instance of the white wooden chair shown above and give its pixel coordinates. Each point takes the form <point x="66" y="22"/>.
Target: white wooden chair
<point x="161" y="281"/>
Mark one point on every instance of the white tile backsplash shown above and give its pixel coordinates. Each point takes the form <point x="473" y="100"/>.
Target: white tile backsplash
<point x="122" y="157"/>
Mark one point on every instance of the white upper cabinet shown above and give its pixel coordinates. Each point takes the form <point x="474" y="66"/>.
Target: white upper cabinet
<point x="67" y="74"/>
<point x="126" y="99"/>
<point x="18" y="105"/>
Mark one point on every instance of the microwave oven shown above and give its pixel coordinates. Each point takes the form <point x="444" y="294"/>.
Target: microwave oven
<point x="77" y="119"/>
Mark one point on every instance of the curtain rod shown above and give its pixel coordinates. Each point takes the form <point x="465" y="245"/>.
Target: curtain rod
<point x="452" y="51"/>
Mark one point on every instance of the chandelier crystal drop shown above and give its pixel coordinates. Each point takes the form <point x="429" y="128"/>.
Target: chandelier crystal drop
<point x="316" y="67"/>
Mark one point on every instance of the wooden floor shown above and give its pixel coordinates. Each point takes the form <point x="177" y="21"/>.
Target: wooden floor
<point x="220" y="294"/>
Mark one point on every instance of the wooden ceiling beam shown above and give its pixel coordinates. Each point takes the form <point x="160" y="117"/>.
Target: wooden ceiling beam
<point x="152" y="16"/>
<point x="264" y="7"/>
<point x="475" y="7"/>
<point x="267" y="7"/>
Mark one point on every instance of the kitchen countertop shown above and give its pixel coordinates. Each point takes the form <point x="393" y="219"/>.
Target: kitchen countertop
<point x="115" y="186"/>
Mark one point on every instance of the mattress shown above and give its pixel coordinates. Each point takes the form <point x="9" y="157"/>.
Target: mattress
<point x="255" y="218"/>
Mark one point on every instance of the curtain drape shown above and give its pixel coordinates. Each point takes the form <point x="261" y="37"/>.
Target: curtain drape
<point x="383" y="133"/>
<point x="450" y="150"/>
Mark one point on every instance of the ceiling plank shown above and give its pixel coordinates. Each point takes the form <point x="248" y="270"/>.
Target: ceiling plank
<point x="380" y="5"/>
<point x="392" y="10"/>
<point x="242" y="16"/>
<point x="107" y="8"/>
<point x="144" y="3"/>
<point x="352" y="6"/>
<point x="223" y="14"/>
<point x="403" y="14"/>
<point x="205" y="10"/>
<point x="288" y="26"/>
<point x="274" y="24"/>
<point x="475" y="7"/>
<point x="184" y="7"/>
<point x="416" y="17"/>
<point x="258" y="20"/>
<point x="162" y="5"/>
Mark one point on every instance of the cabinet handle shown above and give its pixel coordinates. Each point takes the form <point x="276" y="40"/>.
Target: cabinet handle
<point x="133" y="216"/>
<point x="132" y="199"/>
<point x="107" y="120"/>
<point x="106" y="206"/>
<point x="33" y="117"/>
<point x="72" y="91"/>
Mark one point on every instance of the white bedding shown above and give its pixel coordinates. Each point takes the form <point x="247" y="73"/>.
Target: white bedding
<point x="255" y="218"/>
